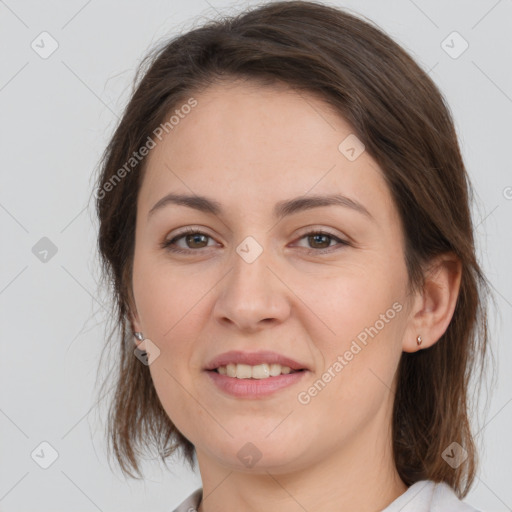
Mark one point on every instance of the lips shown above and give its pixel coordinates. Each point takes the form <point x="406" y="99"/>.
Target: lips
<point x="253" y="359"/>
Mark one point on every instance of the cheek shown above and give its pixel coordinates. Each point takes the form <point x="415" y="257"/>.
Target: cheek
<point x="169" y="305"/>
<point x="348" y="300"/>
<point x="359" y="335"/>
<point x="355" y="383"/>
<point x="165" y="296"/>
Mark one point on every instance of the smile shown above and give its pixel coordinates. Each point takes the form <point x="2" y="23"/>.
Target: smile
<point x="251" y="387"/>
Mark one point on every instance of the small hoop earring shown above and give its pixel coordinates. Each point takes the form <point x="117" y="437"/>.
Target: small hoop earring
<point x="419" y="340"/>
<point x="139" y="336"/>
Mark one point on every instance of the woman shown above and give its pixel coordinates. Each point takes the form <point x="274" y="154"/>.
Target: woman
<point x="284" y="217"/>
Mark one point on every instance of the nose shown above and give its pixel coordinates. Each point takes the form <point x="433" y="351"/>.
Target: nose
<point x="252" y="295"/>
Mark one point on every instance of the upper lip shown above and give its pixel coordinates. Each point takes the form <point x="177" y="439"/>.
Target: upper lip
<point x="252" y="359"/>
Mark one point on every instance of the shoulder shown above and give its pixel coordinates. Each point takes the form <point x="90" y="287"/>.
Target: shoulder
<point x="445" y="499"/>
<point x="423" y="496"/>
<point x="190" y="504"/>
<point x="429" y="496"/>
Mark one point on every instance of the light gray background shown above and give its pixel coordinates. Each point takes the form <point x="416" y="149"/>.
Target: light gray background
<point x="56" y="116"/>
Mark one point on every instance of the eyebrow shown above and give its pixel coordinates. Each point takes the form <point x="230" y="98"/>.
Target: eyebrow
<point x="281" y="209"/>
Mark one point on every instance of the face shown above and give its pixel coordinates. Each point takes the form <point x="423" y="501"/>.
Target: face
<point x="317" y="286"/>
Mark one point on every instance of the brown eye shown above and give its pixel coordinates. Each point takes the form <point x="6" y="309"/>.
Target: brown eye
<point x="320" y="240"/>
<point x="187" y="241"/>
<point x="196" y="241"/>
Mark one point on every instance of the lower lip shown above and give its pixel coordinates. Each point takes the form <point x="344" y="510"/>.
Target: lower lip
<point x="254" y="388"/>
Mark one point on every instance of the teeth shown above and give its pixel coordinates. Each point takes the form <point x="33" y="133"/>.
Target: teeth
<point x="259" y="371"/>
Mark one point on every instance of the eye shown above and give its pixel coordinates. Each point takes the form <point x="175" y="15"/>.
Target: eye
<point x="193" y="239"/>
<point x="320" y="241"/>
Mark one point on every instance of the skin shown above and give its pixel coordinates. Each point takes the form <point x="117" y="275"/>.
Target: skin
<point x="249" y="146"/>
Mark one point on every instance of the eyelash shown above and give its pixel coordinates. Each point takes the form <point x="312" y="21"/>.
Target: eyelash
<point x="167" y="244"/>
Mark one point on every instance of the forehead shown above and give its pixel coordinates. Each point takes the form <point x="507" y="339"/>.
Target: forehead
<point x="249" y="145"/>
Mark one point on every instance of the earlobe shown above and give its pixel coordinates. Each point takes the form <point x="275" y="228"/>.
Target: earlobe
<point x="435" y="304"/>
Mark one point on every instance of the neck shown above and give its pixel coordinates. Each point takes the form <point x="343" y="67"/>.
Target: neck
<point x="360" y="476"/>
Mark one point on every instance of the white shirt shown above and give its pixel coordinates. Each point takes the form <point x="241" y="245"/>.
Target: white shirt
<point x="423" y="496"/>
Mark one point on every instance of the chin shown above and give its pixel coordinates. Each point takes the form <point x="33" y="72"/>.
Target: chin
<point x="260" y="455"/>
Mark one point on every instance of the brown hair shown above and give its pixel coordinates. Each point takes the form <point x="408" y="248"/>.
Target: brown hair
<point x="397" y="111"/>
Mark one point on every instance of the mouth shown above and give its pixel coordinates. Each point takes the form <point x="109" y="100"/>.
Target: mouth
<point x="257" y="372"/>
<point x="253" y="375"/>
<point x="258" y="365"/>
<point x="252" y="388"/>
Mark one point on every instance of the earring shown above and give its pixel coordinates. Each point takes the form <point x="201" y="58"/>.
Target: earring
<point x="419" y="340"/>
<point x="141" y="338"/>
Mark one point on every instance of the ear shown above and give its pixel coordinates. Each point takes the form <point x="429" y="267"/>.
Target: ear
<point x="434" y="305"/>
